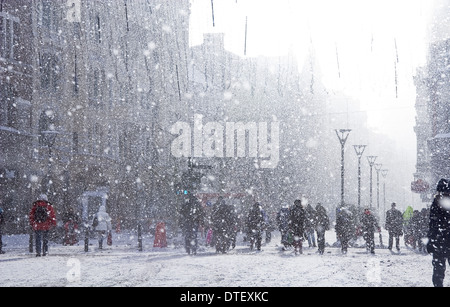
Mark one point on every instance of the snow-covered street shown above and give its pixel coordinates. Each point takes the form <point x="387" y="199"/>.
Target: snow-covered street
<point x="122" y="265"/>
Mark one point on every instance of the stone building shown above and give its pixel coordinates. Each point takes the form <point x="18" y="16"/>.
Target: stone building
<point x="88" y="90"/>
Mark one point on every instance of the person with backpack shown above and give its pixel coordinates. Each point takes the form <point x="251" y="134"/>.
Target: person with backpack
<point x="42" y="218"/>
<point x="102" y="225"/>
<point x="2" y="222"/>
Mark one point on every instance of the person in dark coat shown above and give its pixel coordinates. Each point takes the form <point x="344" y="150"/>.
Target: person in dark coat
<point x="192" y="217"/>
<point x="394" y="226"/>
<point x="224" y="221"/>
<point x="2" y="222"/>
<point x="255" y="225"/>
<point x="439" y="232"/>
<point x="297" y="225"/>
<point x="322" y="225"/>
<point x="283" y="225"/>
<point x="344" y="227"/>
<point x="369" y="226"/>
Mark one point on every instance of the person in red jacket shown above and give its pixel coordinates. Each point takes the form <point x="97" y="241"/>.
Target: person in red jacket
<point x="42" y="219"/>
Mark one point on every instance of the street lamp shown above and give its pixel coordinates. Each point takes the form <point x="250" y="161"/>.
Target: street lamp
<point x="48" y="134"/>
<point x="359" y="149"/>
<point x="384" y="173"/>
<point x="371" y="160"/>
<point x="342" y="134"/>
<point x="378" y="167"/>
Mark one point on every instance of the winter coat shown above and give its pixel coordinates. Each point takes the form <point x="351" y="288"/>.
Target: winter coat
<point x="255" y="219"/>
<point x="369" y="222"/>
<point x="283" y="219"/>
<point x="394" y="222"/>
<point x="192" y="215"/>
<point x="49" y="223"/>
<point x="224" y="220"/>
<point x="297" y="220"/>
<point x="439" y="227"/>
<point x="322" y="220"/>
<point x="344" y="224"/>
<point x="104" y="220"/>
<point x="310" y="218"/>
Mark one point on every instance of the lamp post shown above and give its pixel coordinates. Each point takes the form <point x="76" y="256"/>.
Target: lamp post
<point x="359" y="149"/>
<point x="378" y="167"/>
<point x="342" y="134"/>
<point x="371" y="160"/>
<point x="384" y="173"/>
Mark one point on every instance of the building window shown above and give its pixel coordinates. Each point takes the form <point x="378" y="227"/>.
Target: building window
<point x="8" y="107"/>
<point x="8" y="27"/>
<point x="49" y="17"/>
<point x="49" y="70"/>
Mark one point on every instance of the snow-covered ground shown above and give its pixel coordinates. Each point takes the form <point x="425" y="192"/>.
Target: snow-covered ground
<point x="123" y="265"/>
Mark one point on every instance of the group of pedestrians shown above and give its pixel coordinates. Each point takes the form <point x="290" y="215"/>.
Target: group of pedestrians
<point x="300" y="222"/>
<point x="42" y="220"/>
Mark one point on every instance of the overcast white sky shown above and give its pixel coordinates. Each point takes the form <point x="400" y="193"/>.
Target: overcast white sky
<point x="370" y="39"/>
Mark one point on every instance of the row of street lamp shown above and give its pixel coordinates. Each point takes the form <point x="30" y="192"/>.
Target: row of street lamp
<point x="343" y="134"/>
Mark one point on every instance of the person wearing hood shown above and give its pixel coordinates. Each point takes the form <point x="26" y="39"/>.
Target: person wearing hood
<point x="42" y="218"/>
<point x="102" y="225"/>
<point x="439" y="232"/>
<point x="369" y="226"/>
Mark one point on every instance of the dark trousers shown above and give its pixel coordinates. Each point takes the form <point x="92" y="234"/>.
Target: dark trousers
<point x="41" y="242"/>
<point x="191" y="240"/>
<point x="256" y="239"/>
<point x="439" y="269"/>
<point x="370" y="241"/>
<point x="1" y="243"/>
<point x="321" y="241"/>
<point x="391" y="240"/>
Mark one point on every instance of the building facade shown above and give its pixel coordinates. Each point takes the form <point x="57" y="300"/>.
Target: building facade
<point x="433" y="120"/>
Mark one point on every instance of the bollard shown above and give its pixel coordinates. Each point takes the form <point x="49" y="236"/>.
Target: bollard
<point x="86" y="239"/>
<point x="139" y="229"/>
<point x="30" y="242"/>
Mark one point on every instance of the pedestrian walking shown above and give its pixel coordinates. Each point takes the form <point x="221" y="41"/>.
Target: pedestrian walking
<point x="322" y="225"/>
<point x="255" y="226"/>
<point x="224" y="221"/>
<point x="192" y="218"/>
<point x="297" y="225"/>
<point x="282" y="220"/>
<point x="42" y="218"/>
<point x="310" y="225"/>
<point x="394" y="226"/>
<point x="439" y="232"/>
<point x="369" y="226"/>
<point x="102" y="225"/>
<point x="344" y="227"/>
